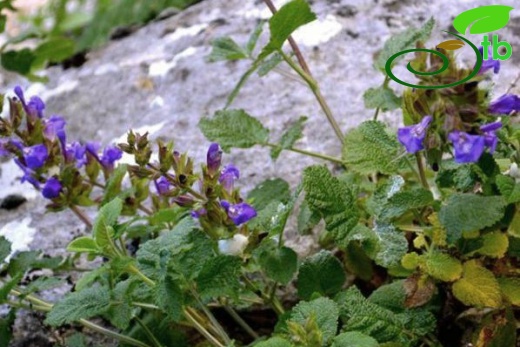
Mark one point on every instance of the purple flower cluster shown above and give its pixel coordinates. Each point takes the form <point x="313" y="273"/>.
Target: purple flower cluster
<point x="31" y="159"/>
<point x="239" y="212"/>
<point x="412" y="137"/>
<point x="489" y="64"/>
<point x="506" y="104"/>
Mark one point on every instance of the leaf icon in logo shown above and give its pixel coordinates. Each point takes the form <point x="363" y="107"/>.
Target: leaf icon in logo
<point x="485" y="19"/>
<point x="451" y="45"/>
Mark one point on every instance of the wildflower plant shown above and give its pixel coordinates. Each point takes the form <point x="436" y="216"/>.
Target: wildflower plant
<point x="419" y="243"/>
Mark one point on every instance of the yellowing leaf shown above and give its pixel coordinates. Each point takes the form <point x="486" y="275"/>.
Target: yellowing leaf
<point x="511" y="289"/>
<point x="410" y="261"/>
<point x="477" y="287"/>
<point x="451" y="45"/>
<point x="443" y="267"/>
<point x="495" y="245"/>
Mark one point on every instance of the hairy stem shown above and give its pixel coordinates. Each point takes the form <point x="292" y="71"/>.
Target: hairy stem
<point x="241" y="322"/>
<point x="313" y="85"/>
<point x="422" y="173"/>
<point x="202" y="330"/>
<point x="309" y="153"/>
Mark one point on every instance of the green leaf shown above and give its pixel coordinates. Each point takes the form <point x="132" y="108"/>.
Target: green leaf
<point x="289" y="17"/>
<point x="392" y="245"/>
<point x="5" y="249"/>
<point x="113" y="186"/>
<point x="6" y="328"/>
<point x="403" y="201"/>
<point x="234" y="129"/>
<point x="332" y="199"/>
<point x="224" y="48"/>
<point x="55" y="50"/>
<point x="18" y="61"/>
<point x="169" y="297"/>
<point x="269" y="64"/>
<point x="361" y="315"/>
<point x="274" y="342"/>
<point x="477" y="287"/>
<point x="121" y="312"/>
<point x="470" y="212"/>
<point x="253" y="39"/>
<point x="279" y="264"/>
<point x="42" y="283"/>
<point x="383" y="98"/>
<point x="368" y="149"/>
<point x="76" y="340"/>
<point x="111" y="211"/>
<point x="510" y="287"/>
<point x="83" y="244"/>
<point x="219" y="277"/>
<point x="275" y="189"/>
<point x="391" y="296"/>
<point x="403" y="41"/>
<point x="87" y="303"/>
<point x="321" y="273"/>
<point x="442" y="266"/>
<point x="508" y="188"/>
<point x="326" y="313"/>
<point x="289" y="138"/>
<point x="307" y="219"/>
<point x="495" y="245"/>
<point x="7" y="286"/>
<point x="485" y="19"/>
<point x="354" y="339"/>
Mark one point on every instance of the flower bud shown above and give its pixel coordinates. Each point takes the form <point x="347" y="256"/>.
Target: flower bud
<point x="214" y="158"/>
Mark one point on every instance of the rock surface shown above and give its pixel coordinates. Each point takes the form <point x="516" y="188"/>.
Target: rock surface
<point x="158" y="79"/>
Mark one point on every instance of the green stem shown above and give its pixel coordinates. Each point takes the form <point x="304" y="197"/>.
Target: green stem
<point x="147" y="331"/>
<point x="241" y="322"/>
<point x="308" y="153"/>
<point x="135" y="271"/>
<point x="376" y="113"/>
<point x="46" y="307"/>
<point x="422" y="173"/>
<point x="416" y="173"/>
<point x="212" y="319"/>
<point x="274" y="302"/>
<point x="313" y="85"/>
<point x="202" y="330"/>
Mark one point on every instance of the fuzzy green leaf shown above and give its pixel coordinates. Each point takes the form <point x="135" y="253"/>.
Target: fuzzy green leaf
<point x="83" y="244"/>
<point x="403" y="41"/>
<point x="321" y="273"/>
<point x="289" y="17"/>
<point x="78" y="305"/>
<point x="360" y="315"/>
<point x="234" y="129"/>
<point x="442" y="266"/>
<point x="274" y="342"/>
<point x="470" y="212"/>
<point x="508" y="188"/>
<point x="219" y="277"/>
<point x="18" y="61"/>
<point x="485" y="19"/>
<point x="403" y="201"/>
<point x="289" y="138"/>
<point x="354" y="339"/>
<point x="510" y="287"/>
<point x="113" y="186"/>
<point x="332" y="199"/>
<point x="368" y="149"/>
<point x="392" y="245"/>
<point x="5" y="249"/>
<point x="326" y="313"/>
<point x="307" y="219"/>
<point x="55" y="50"/>
<point x="477" y="287"/>
<point x="381" y="97"/>
<point x="169" y="297"/>
<point x="224" y="48"/>
<point x="253" y="39"/>
<point x="279" y="264"/>
<point x="275" y="189"/>
<point x="494" y="244"/>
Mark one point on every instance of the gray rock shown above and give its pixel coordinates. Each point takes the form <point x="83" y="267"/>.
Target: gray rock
<point x="158" y="76"/>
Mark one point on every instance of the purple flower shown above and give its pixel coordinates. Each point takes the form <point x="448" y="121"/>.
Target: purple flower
<point x="228" y="176"/>
<point x="76" y="152"/>
<point x="36" y="106"/>
<point x="489" y="63"/>
<point x="54" y="127"/>
<point x="52" y="188"/>
<point x="35" y="156"/>
<point x="468" y="148"/>
<point x="412" y="137"/>
<point x="111" y="154"/>
<point x="490" y="138"/>
<point x="239" y="213"/>
<point x="214" y="158"/>
<point x="162" y="185"/>
<point x="19" y="93"/>
<point x="506" y="104"/>
<point x="28" y="175"/>
<point x="198" y="213"/>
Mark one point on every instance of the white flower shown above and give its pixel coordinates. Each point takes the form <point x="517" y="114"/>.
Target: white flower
<point x="233" y="246"/>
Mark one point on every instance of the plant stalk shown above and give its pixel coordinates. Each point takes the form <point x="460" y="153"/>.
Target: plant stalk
<point x="309" y="153"/>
